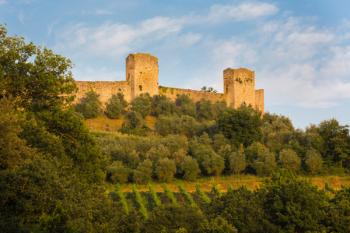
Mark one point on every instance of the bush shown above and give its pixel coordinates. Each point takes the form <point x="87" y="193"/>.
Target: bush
<point x="241" y="126"/>
<point x="261" y="159"/>
<point x="142" y="105"/>
<point x="313" y="161"/>
<point x="115" y="106"/>
<point x="165" y="170"/>
<point x="143" y="173"/>
<point x="162" y="105"/>
<point x="89" y="106"/>
<point x="289" y="159"/>
<point x="117" y="173"/>
<point x="237" y="162"/>
<point x="210" y="163"/>
<point x="184" y="125"/>
<point x="189" y="168"/>
<point x="185" y="105"/>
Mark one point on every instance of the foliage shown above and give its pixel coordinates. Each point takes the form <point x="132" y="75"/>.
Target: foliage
<point x="115" y="106"/>
<point x="313" y="161"/>
<point x="141" y="202"/>
<point x="237" y="162"/>
<point x="289" y="159"/>
<point x="170" y="195"/>
<point x="142" y="105"/>
<point x="187" y="196"/>
<point x="89" y="106"/>
<point x="117" y="173"/>
<point x="161" y="105"/>
<point x="165" y="170"/>
<point x="154" y="196"/>
<point x="202" y="195"/>
<point x="185" y="105"/>
<point x="241" y="126"/>
<point x="189" y="168"/>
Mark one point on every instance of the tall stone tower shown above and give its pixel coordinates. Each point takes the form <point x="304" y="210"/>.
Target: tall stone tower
<point x="239" y="87"/>
<point x="142" y="74"/>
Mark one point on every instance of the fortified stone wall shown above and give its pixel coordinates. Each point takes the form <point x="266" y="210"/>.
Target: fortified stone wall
<point x="142" y="77"/>
<point x="172" y="93"/>
<point x="104" y="89"/>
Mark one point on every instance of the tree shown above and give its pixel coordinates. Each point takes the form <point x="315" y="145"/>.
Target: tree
<point x="261" y="159"/>
<point x="143" y="173"/>
<point x="204" y="109"/>
<point x="293" y="205"/>
<point x="185" y="105"/>
<point x="165" y="170"/>
<point x="210" y="163"/>
<point x="184" y="125"/>
<point x="89" y="106"/>
<point x="237" y="162"/>
<point x="313" y="161"/>
<point x="189" y="168"/>
<point x="134" y="123"/>
<point x="142" y="105"/>
<point x="117" y="173"/>
<point x="13" y="149"/>
<point x="115" y="106"/>
<point x="34" y="76"/>
<point x="162" y="105"/>
<point x="337" y="142"/>
<point x="241" y="126"/>
<point x="289" y="159"/>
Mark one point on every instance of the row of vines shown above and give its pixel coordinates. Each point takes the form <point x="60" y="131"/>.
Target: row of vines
<point x="143" y="202"/>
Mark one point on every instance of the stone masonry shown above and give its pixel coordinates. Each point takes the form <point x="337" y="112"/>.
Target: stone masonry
<point x="142" y="77"/>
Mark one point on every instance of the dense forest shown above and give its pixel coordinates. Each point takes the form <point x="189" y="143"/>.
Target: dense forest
<point x="54" y="170"/>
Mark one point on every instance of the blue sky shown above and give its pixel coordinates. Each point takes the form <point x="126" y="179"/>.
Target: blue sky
<point x="300" y="50"/>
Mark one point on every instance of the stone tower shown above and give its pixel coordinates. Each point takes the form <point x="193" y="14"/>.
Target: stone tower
<point x="142" y="74"/>
<point x="239" y="87"/>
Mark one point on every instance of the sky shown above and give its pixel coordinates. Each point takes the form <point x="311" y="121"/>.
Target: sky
<point x="299" y="50"/>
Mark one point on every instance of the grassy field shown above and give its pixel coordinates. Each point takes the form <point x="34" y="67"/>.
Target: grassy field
<point x="223" y="182"/>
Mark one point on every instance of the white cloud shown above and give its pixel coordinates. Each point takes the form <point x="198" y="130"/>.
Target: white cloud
<point x="241" y="12"/>
<point x="113" y="39"/>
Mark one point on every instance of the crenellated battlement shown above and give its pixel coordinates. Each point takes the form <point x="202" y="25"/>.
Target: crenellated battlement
<point x="142" y="77"/>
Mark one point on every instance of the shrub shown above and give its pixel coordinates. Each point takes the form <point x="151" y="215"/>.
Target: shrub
<point x="141" y="202"/>
<point x="115" y="106"/>
<point x="170" y="195"/>
<point x="189" y="168"/>
<point x="143" y="173"/>
<point x="117" y="173"/>
<point x="241" y="126"/>
<point x="162" y="105"/>
<point x="142" y="105"/>
<point x="89" y="106"/>
<point x="204" y="197"/>
<point x="165" y="170"/>
<point x="185" y="105"/>
<point x="261" y="159"/>
<point x="237" y="162"/>
<point x="313" y="161"/>
<point x="122" y="198"/>
<point x="154" y="196"/>
<point x="289" y="159"/>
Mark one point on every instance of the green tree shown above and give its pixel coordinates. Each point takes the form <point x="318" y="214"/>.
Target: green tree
<point x="313" y="161"/>
<point x="289" y="159"/>
<point x="293" y="205"/>
<point x="210" y="162"/>
<point x="237" y="163"/>
<point x="34" y="76"/>
<point x="162" y="105"/>
<point x="261" y="159"/>
<point x="241" y="126"/>
<point x="117" y="173"/>
<point x="143" y="173"/>
<point x="204" y="109"/>
<point x="337" y="142"/>
<point x="185" y="105"/>
<point x="189" y="168"/>
<point x="142" y="105"/>
<point x="134" y="124"/>
<point x="165" y="170"/>
<point x="115" y="106"/>
<point x="13" y="149"/>
<point x="89" y="106"/>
